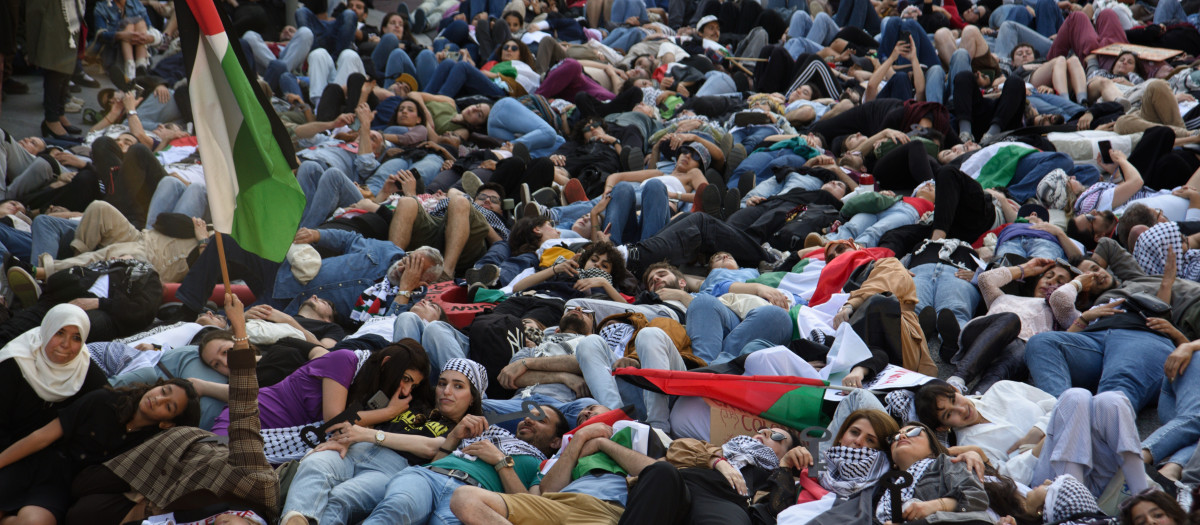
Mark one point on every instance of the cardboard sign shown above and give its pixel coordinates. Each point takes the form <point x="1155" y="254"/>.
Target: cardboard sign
<point x="1152" y="54"/>
<point x="726" y="421"/>
<point x="891" y="377"/>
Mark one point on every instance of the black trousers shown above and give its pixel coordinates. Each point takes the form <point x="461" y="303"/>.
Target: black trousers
<point x="335" y="101"/>
<point x="1161" y="165"/>
<point x="99" y="497"/>
<point x="590" y="106"/>
<point x="54" y="94"/>
<point x="971" y="106"/>
<point x="868" y="119"/>
<point x="512" y="172"/>
<point x="665" y="495"/>
<point x="691" y="234"/>
<point x="987" y="348"/>
<point x="964" y="211"/>
<point x="129" y="179"/>
<point x="903" y="168"/>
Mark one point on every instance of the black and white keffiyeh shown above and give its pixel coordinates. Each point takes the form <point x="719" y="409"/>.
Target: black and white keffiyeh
<point x="883" y="512"/>
<point x="741" y="451"/>
<point x="504" y="440"/>
<point x="475" y="373"/>
<point x="1068" y="498"/>
<point x="849" y="470"/>
<point x="588" y="273"/>
<point x="900" y="405"/>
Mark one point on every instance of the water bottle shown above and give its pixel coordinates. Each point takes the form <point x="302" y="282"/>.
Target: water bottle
<point x="866" y="181"/>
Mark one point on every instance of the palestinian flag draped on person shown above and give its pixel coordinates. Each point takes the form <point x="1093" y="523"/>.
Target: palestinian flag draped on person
<point x="246" y="153"/>
<point x="787" y="400"/>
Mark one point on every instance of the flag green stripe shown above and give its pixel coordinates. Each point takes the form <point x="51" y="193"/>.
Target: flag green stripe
<point x="799" y="408"/>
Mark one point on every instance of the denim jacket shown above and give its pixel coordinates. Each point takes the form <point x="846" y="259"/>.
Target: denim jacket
<point x="108" y="17"/>
<point x="342" y="278"/>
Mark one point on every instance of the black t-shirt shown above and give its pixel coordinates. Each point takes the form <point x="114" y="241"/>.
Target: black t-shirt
<point x="321" y="329"/>
<point x="406" y="423"/>
<point x="23" y="412"/>
<point x="93" y="432"/>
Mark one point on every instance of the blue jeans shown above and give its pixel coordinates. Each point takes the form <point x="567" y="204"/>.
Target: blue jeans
<point x="1126" y="361"/>
<point x="627" y="224"/>
<point x="623" y="37"/>
<point x="1030" y="247"/>
<point x="1012" y="33"/>
<point x="866" y="228"/>
<point x="787" y="7"/>
<point x="511" y="121"/>
<point x="396" y="61"/>
<point x="454" y="79"/>
<point x="417" y="496"/>
<point x="1169" y="11"/>
<point x="333" y="35"/>
<point x="441" y="341"/>
<point x="937" y="286"/>
<point x="926" y="53"/>
<point x="172" y="195"/>
<point x="494" y="8"/>
<point x="343" y="490"/>
<point x="16" y="242"/>
<point x="567" y="215"/>
<point x="655" y="351"/>
<point x="427" y="168"/>
<point x="1055" y="104"/>
<point x="761" y="165"/>
<point x="936" y="88"/>
<point x="858" y="13"/>
<point x="1179" y="412"/>
<point x="719" y="336"/>
<point x="624" y="9"/>
<point x="325" y="190"/>
<point x="717" y="83"/>
<point x="771" y="186"/>
<point x="751" y="136"/>
<point x="819" y="30"/>
<point x="47" y="234"/>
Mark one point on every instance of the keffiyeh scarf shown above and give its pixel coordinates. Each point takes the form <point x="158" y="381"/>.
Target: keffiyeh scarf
<point x="1067" y="498"/>
<point x="849" y="470"/>
<point x="373" y="301"/>
<point x="883" y="512"/>
<point x="741" y="451"/>
<point x="504" y="440"/>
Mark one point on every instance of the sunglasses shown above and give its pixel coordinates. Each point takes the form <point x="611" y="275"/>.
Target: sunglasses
<point x="511" y="47"/>
<point x="489" y="198"/>
<point x="775" y="435"/>
<point x="593" y="125"/>
<point x="581" y="310"/>
<point x="912" y="433"/>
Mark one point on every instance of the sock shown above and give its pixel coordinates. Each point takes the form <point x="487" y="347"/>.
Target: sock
<point x="1081" y="97"/>
<point x="964" y="126"/>
<point x="143" y="62"/>
<point x="1135" y="472"/>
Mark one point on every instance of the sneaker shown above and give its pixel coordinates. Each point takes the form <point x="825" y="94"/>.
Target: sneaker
<point x="418" y="21"/>
<point x="530" y="209"/>
<point x="732" y="202"/>
<point x="948" y="330"/>
<point x="71" y="107"/>
<point x="573" y="191"/>
<point x="521" y="151"/>
<point x="710" y="199"/>
<point x="85" y="80"/>
<point x="471" y="183"/>
<point x="526" y="197"/>
<point x="24" y="286"/>
<point x="965" y="137"/>
<point x="73" y="87"/>
<point x="958" y="383"/>
<point x="546" y="197"/>
<point x="76" y="100"/>
<point x="927" y="319"/>
<point x="487" y="275"/>
<point x="130" y="70"/>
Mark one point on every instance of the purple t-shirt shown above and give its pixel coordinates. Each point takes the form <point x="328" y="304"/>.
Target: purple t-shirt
<point x="297" y="399"/>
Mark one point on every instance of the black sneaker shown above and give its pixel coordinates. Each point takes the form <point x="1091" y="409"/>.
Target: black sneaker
<point x="927" y="317"/>
<point x="732" y="202"/>
<point x="710" y="199"/>
<point x="13" y="262"/>
<point x="488" y="275"/>
<point x="85" y="80"/>
<point x="521" y="151"/>
<point x="947" y="327"/>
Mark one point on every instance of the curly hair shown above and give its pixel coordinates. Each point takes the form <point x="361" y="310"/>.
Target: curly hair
<point x="619" y="273"/>
<point x="131" y="396"/>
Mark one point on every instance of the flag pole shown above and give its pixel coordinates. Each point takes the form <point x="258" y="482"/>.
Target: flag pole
<point x="224" y="269"/>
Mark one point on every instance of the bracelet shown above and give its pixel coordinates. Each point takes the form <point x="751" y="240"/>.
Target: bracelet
<point x="1078" y="285"/>
<point x="237" y="339"/>
<point x="714" y="465"/>
<point x="447" y="452"/>
<point x="1079" y="320"/>
<point x="133" y="113"/>
<point x="1022" y="278"/>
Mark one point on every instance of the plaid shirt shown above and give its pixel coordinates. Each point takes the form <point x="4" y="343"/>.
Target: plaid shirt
<point x="493" y="220"/>
<point x="183" y="460"/>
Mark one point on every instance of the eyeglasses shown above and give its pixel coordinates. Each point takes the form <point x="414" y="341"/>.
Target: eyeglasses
<point x="581" y="310"/>
<point x="775" y="435"/>
<point x="512" y="47"/>
<point x="912" y="433"/>
<point x="488" y="197"/>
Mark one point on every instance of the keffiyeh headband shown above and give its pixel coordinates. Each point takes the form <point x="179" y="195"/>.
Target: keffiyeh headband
<point x="503" y="439"/>
<point x="475" y="373"/>
<point x="741" y="451"/>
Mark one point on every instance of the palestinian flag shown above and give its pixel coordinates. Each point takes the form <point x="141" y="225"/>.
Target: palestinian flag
<point x="791" y="401"/>
<point x="246" y="153"/>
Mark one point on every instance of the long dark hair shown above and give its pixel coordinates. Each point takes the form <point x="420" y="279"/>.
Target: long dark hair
<point x="420" y="114"/>
<point x="526" y="56"/>
<point x="1003" y="498"/>
<point x="1138" y="66"/>
<point x="408" y="36"/>
<point x="1160" y="499"/>
<point x="376" y="375"/>
<point x="475" y="409"/>
<point x="523" y="239"/>
<point x="130" y="396"/>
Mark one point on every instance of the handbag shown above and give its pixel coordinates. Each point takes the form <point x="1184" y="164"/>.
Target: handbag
<point x="1147" y="306"/>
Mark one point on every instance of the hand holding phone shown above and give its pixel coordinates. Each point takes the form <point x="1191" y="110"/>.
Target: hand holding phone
<point x="1105" y="151"/>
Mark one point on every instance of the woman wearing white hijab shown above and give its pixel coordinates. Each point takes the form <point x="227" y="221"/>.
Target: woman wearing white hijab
<point x="41" y="371"/>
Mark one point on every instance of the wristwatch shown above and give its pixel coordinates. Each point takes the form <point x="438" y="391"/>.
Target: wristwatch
<point x="379" y="437"/>
<point x="507" y="462"/>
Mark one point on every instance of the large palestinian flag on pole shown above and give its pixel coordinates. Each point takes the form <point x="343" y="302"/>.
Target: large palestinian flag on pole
<point x="246" y="154"/>
<point x="787" y="400"/>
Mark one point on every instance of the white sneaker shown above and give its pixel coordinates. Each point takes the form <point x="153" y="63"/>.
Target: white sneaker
<point x="130" y="70"/>
<point x="72" y="107"/>
<point x="76" y="100"/>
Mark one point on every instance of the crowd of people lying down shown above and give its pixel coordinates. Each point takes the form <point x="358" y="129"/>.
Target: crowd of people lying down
<point x="997" y="205"/>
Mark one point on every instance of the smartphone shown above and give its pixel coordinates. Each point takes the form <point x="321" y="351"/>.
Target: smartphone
<point x="903" y="37"/>
<point x="1105" y="148"/>
<point x="377" y="401"/>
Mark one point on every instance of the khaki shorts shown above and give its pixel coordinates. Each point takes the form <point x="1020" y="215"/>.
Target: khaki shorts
<point x="566" y="508"/>
<point x="428" y="230"/>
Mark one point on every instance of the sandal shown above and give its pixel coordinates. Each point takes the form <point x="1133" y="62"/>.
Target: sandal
<point x="91" y="116"/>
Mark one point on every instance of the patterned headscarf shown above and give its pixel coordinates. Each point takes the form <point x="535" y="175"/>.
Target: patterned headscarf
<point x="741" y="451"/>
<point x="1054" y="190"/>
<point x="475" y="373"/>
<point x="849" y="470"/>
